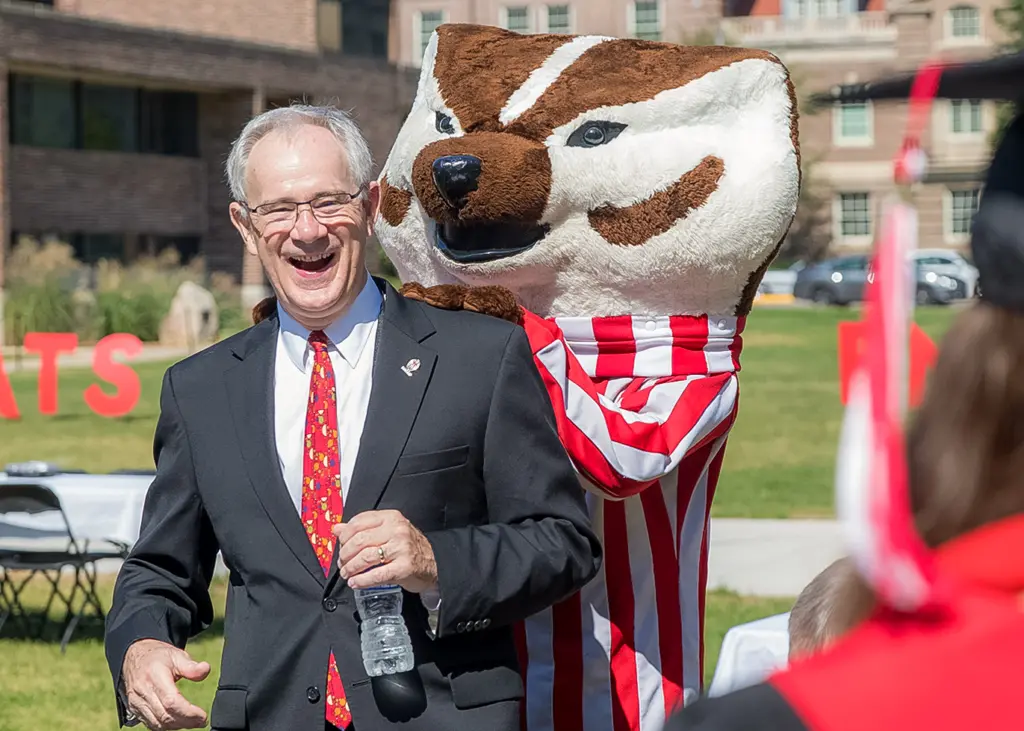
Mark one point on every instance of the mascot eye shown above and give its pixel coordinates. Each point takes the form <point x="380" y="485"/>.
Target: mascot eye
<point x="595" y="134"/>
<point x="443" y="123"/>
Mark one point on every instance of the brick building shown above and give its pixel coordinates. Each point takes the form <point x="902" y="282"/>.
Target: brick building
<point x="852" y="146"/>
<point x="824" y="42"/>
<point x="116" y="116"/>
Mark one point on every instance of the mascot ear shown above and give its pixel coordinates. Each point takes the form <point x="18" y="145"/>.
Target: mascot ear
<point x="489" y="300"/>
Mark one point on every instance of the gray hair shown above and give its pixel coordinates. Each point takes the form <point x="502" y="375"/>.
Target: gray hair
<point x="833" y="603"/>
<point x="340" y="124"/>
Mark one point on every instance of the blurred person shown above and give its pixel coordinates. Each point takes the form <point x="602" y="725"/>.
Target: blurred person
<point x="957" y="665"/>
<point x="427" y="432"/>
<point x="832" y="604"/>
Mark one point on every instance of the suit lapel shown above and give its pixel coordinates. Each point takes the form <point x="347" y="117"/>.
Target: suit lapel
<point x="250" y="386"/>
<point x="395" y="397"/>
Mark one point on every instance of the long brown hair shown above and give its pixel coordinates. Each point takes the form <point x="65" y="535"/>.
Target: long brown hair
<point x="966" y="443"/>
<point x="965" y="446"/>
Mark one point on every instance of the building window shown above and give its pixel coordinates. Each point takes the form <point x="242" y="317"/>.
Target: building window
<point x="42" y="112"/>
<point x="426" y="23"/>
<point x="168" y="123"/>
<point x="110" y="118"/>
<point x="516" y="19"/>
<point x="816" y="9"/>
<point x="853" y="124"/>
<point x="830" y="8"/>
<point x="186" y="246"/>
<point x="647" y="20"/>
<point x="364" y="27"/>
<point x="854" y="215"/>
<point x="559" y="20"/>
<point x="961" y="205"/>
<point x="966" y="116"/>
<point x="91" y="248"/>
<point x="964" y="22"/>
<point x="46" y="112"/>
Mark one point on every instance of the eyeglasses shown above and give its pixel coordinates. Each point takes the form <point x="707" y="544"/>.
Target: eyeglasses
<point x="281" y="215"/>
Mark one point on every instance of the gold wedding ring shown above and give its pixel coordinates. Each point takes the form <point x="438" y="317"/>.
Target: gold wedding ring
<point x="380" y="552"/>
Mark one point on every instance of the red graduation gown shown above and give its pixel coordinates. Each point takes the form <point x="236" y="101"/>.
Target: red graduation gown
<point x="964" y="670"/>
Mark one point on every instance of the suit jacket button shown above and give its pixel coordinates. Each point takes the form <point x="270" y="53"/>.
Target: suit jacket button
<point x="312" y="694"/>
<point x="485" y="624"/>
<point x="460" y="627"/>
<point x="330" y="605"/>
<point x="477" y="625"/>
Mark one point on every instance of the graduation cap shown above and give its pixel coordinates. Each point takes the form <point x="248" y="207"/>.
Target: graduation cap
<point x="997" y="237"/>
<point x="997" y="78"/>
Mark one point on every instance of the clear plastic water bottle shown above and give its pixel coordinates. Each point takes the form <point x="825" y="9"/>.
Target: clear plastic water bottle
<point x="387" y="648"/>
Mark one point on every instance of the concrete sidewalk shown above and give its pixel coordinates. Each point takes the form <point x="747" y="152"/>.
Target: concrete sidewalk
<point x="771" y="557"/>
<point x="775" y="558"/>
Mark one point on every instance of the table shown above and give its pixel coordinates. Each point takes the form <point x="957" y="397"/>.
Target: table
<point x="97" y="506"/>
<point x="750" y="653"/>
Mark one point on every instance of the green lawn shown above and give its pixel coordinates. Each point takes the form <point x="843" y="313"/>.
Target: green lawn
<point x="779" y="461"/>
<point x="41" y="689"/>
<point x="780" y="457"/>
<point x="76" y="437"/>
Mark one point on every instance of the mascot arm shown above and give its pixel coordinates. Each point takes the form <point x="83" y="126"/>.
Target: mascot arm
<point x="624" y="443"/>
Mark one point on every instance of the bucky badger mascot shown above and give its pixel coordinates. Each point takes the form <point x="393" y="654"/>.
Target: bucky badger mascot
<point x="629" y="195"/>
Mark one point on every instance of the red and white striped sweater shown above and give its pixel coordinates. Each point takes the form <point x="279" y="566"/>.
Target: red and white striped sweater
<point x="644" y="406"/>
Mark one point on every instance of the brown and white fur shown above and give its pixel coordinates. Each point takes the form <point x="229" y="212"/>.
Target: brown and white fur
<point x="680" y="213"/>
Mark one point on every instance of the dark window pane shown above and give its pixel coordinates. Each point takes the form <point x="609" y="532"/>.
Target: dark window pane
<point x="169" y="123"/>
<point x="187" y="246"/>
<point x="110" y="118"/>
<point x="90" y="248"/>
<point x="42" y="111"/>
<point x="364" y="27"/>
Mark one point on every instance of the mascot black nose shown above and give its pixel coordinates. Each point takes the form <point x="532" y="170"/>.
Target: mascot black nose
<point x="455" y="177"/>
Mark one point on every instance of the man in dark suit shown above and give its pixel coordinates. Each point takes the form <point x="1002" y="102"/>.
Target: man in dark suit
<point x="353" y="438"/>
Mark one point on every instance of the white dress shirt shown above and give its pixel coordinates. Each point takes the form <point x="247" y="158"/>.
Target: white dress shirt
<point x="352" y="338"/>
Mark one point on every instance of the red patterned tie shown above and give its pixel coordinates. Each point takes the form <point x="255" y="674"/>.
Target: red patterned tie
<point x="321" y="490"/>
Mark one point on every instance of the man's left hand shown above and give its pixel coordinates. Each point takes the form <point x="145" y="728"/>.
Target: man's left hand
<point x="382" y="547"/>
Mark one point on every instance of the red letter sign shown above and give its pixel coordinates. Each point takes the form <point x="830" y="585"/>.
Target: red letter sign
<point x="8" y="406"/>
<point x="49" y="346"/>
<point x="923" y="354"/>
<point x="123" y="377"/>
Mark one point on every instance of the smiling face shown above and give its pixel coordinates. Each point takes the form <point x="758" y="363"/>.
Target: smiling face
<point x="593" y="176"/>
<point x="314" y="257"/>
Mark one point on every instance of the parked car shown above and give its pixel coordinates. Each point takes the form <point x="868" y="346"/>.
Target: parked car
<point x="781" y="281"/>
<point x="951" y="264"/>
<point x="837" y="281"/>
<point x="938" y="289"/>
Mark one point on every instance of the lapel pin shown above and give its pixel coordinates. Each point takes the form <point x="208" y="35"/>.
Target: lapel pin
<point x="411" y="367"/>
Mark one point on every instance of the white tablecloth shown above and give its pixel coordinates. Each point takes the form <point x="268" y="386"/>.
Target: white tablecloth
<point x="97" y="506"/>
<point x="750" y="653"/>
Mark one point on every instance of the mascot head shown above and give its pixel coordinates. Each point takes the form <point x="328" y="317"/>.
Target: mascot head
<point x="593" y="176"/>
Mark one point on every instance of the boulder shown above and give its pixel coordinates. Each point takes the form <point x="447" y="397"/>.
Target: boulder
<point x="193" y="320"/>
